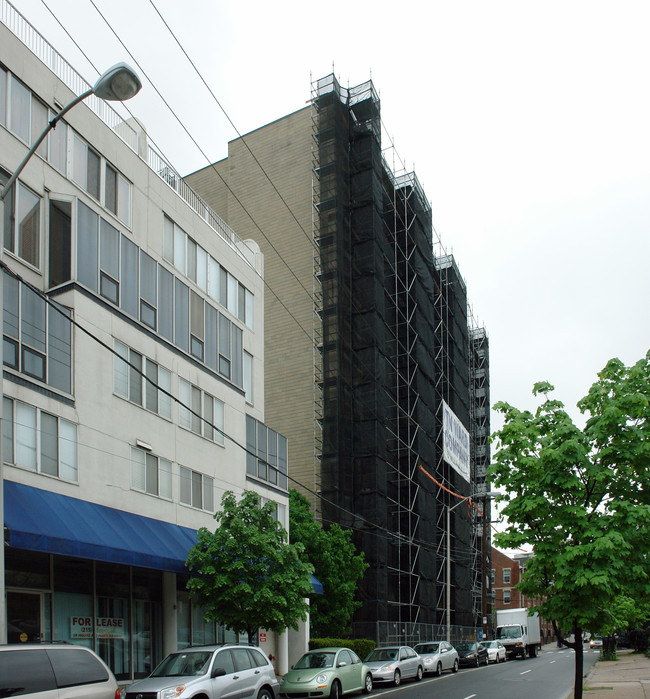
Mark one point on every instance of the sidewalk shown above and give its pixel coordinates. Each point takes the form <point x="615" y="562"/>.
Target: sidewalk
<point x="625" y="678"/>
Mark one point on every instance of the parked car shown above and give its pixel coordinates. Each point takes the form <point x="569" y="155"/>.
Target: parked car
<point x="327" y="672"/>
<point x="394" y="664"/>
<point x="49" y="670"/>
<point x="596" y="641"/>
<point x="212" y="672"/>
<point x="471" y="653"/>
<point x="437" y="656"/>
<point x="496" y="651"/>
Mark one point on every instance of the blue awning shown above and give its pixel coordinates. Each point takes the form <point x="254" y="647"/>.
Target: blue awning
<point x="40" y="520"/>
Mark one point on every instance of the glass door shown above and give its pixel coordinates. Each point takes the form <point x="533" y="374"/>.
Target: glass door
<point x="24" y="617"/>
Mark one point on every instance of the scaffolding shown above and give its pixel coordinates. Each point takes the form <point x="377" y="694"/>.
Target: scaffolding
<point x="393" y="343"/>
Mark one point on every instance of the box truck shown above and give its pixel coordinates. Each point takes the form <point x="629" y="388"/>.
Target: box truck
<point x="518" y="630"/>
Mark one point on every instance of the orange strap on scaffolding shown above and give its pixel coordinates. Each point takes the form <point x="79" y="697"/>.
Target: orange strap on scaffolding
<point x="451" y="492"/>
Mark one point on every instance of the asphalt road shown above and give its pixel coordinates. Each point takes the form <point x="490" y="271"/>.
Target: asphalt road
<point x="548" y="676"/>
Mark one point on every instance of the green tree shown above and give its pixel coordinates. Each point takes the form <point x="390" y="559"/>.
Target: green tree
<point x="580" y="498"/>
<point x="336" y="563"/>
<point x="245" y="573"/>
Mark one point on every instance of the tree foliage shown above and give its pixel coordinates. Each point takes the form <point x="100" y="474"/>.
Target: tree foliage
<point x="336" y="563"/>
<point x="245" y="573"/>
<point x="580" y="498"/>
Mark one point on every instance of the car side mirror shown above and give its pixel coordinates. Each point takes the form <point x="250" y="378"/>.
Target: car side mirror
<point x="218" y="672"/>
<point x="342" y="664"/>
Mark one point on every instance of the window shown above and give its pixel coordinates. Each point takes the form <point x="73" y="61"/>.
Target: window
<point x="39" y="441"/>
<point x="19" y="111"/>
<point x="492" y="574"/>
<point x="22" y="222"/>
<point x="85" y="166"/>
<point x="506" y="576"/>
<point x="3" y="97"/>
<point x="37" y="336"/>
<point x="117" y="194"/>
<point x="248" y="377"/>
<point x="148" y="290"/>
<point x="109" y="261"/>
<point x="151" y="474"/>
<point x="200" y="412"/>
<point x="506" y="596"/>
<point x="140" y="380"/>
<point x="266" y="455"/>
<point x="58" y="145"/>
<point x="60" y="242"/>
<point x="196" y="489"/>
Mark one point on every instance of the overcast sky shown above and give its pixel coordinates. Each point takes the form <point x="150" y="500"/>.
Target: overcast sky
<point x="527" y="124"/>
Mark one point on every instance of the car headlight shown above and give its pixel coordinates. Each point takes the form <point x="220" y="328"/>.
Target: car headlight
<point x="472" y="655"/>
<point x="428" y="661"/>
<point x="172" y="692"/>
<point x="321" y="679"/>
<point x="387" y="668"/>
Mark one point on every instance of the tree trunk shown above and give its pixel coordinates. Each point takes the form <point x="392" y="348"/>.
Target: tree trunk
<point x="579" y="662"/>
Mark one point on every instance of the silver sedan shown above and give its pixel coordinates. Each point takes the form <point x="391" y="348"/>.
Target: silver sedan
<point x="394" y="663"/>
<point x="438" y="656"/>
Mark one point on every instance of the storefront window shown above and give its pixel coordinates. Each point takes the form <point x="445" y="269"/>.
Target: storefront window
<point x="112" y="622"/>
<point x="147" y="621"/>
<point x="73" y="601"/>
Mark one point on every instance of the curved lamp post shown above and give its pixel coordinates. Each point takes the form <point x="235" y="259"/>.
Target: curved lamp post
<point x="118" y="84"/>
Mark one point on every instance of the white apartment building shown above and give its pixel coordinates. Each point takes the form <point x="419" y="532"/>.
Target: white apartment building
<point x="133" y="351"/>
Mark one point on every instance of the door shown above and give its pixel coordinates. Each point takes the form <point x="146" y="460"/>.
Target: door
<point x="24" y="617"/>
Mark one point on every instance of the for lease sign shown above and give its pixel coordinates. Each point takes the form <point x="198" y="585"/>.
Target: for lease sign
<point x="105" y="627"/>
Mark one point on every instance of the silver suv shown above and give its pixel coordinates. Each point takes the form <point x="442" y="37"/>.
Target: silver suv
<point x="215" y="672"/>
<point x="54" y="671"/>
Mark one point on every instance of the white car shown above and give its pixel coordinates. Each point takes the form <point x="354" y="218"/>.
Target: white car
<point x="496" y="651"/>
<point x="438" y="656"/>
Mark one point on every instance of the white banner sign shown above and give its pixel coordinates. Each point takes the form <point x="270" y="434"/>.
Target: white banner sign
<point x="82" y="627"/>
<point x="455" y="442"/>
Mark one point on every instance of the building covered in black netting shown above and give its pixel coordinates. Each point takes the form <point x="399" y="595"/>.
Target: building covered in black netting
<point x="368" y="335"/>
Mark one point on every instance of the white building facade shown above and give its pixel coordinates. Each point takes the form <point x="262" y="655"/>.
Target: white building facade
<point x="133" y="374"/>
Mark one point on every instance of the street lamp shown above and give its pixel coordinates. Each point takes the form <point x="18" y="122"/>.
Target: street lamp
<point x="468" y="501"/>
<point x="118" y="84"/>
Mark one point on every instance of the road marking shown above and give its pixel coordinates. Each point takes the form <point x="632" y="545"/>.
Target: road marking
<point x="552" y="661"/>
<point x="524" y="672"/>
<point x="471" y="695"/>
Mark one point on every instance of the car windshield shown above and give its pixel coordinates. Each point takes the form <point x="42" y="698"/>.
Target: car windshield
<point x="183" y="664"/>
<point x="426" y="648"/>
<point x="509" y="632"/>
<point x="315" y="660"/>
<point x="490" y="644"/>
<point x="382" y="654"/>
<point x="465" y="646"/>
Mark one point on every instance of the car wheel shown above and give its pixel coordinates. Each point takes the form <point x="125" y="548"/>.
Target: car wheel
<point x="367" y="685"/>
<point x="397" y="678"/>
<point x="420" y="673"/>
<point x="264" y="694"/>
<point x="439" y="669"/>
<point x="455" y="668"/>
<point x="335" y="692"/>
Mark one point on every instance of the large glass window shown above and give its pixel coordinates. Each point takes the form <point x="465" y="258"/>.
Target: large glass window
<point x="85" y="166"/>
<point x="37" y="335"/>
<point x="266" y="455"/>
<point x="129" y="300"/>
<point x="196" y="489"/>
<point x="22" y="222"/>
<point x="39" y="441"/>
<point x="200" y="412"/>
<point x="58" y="141"/>
<point x="19" y="114"/>
<point x="140" y="380"/>
<point x="248" y="377"/>
<point x="60" y="238"/>
<point x="117" y="194"/>
<point x="87" y="246"/>
<point x="109" y="261"/>
<point x="3" y="97"/>
<point x="151" y="474"/>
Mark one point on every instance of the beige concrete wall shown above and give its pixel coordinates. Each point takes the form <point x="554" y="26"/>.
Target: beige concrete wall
<point x="284" y="232"/>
